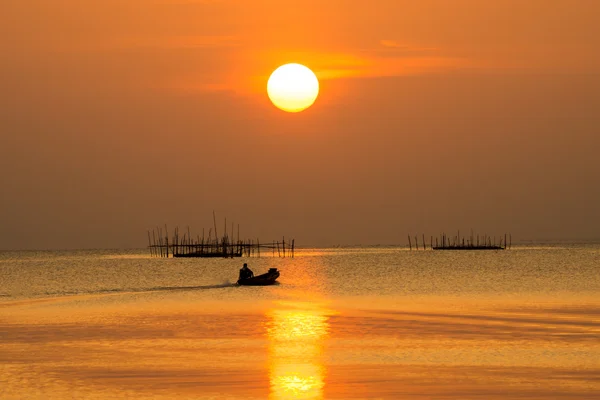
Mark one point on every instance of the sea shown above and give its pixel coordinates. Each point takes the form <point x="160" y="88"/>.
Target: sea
<point x="342" y="323"/>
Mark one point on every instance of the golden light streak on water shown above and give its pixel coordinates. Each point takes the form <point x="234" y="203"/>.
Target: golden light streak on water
<point x="296" y="365"/>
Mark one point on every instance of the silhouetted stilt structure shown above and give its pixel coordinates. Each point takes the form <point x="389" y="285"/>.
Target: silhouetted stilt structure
<point x="213" y="246"/>
<point x="458" y="242"/>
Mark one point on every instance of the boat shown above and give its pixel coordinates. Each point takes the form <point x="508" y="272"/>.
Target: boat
<point x="261" y="280"/>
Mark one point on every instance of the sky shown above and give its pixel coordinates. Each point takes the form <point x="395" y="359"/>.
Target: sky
<point x="433" y="116"/>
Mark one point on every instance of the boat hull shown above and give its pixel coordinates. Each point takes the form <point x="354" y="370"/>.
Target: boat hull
<point x="261" y="280"/>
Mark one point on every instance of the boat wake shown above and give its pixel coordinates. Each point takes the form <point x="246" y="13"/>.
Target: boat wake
<point x="124" y="290"/>
<point x="159" y="289"/>
<point x="176" y="288"/>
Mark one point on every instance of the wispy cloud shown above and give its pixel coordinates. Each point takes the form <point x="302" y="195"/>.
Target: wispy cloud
<point x="393" y="48"/>
<point x="391" y="58"/>
<point x="251" y="68"/>
<point x="177" y="42"/>
<point x="392" y="44"/>
<point x="175" y="2"/>
<point x="193" y="85"/>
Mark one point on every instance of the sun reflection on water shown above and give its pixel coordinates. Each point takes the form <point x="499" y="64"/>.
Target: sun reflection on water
<point x="296" y="339"/>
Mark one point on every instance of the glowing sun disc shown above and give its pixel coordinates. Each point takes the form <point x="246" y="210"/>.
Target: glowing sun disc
<point x="293" y="87"/>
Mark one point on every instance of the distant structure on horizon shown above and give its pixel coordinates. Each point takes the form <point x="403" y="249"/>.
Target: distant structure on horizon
<point x="473" y="242"/>
<point x="212" y="246"/>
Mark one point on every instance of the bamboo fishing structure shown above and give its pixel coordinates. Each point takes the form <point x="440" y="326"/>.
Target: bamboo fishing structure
<point x="458" y="242"/>
<point x="184" y="244"/>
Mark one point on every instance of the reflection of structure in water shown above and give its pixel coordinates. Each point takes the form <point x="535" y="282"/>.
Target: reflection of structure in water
<point x="295" y="353"/>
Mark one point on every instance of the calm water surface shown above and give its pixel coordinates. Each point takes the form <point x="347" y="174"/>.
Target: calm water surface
<point x="356" y="323"/>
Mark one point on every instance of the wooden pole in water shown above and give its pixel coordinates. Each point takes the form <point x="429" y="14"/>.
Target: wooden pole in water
<point x="154" y="242"/>
<point x="157" y="243"/>
<point x="293" y="248"/>
<point x="149" y="244"/>
<point x="167" y="241"/>
<point x="416" y="242"/>
<point x="159" y="238"/>
<point x="232" y="240"/>
<point x="409" y="243"/>
<point x="160" y="241"/>
<point x="189" y="240"/>
<point x="176" y="241"/>
<point x="424" y="244"/>
<point x="215" y="223"/>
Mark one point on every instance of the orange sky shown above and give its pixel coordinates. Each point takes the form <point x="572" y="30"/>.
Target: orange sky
<point x="434" y="115"/>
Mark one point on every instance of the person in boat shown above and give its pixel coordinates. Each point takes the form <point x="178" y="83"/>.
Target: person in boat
<point x="246" y="272"/>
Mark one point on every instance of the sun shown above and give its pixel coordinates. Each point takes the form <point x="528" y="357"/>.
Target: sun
<point x="293" y="87"/>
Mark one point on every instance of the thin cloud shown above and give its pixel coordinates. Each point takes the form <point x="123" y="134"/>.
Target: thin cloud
<point x="398" y="47"/>
<point x="192" y="85"/>
<point x="402" y="60"/>
<point x="179" y="42"/>
<point x="248" y="69"/>
<point x="184" y="2"/>
<point x="393" y="44"/>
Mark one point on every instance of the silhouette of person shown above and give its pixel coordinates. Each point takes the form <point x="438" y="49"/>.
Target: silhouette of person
<point x="246" y="272"/>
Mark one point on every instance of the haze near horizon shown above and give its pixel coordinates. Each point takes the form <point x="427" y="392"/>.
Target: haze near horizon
<point x="433" y="116"/>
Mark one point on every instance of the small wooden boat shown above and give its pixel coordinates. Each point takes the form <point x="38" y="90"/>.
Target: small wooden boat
<point x="261" y="280"/>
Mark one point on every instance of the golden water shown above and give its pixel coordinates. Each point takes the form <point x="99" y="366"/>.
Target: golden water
<point x="343" y="324"/>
